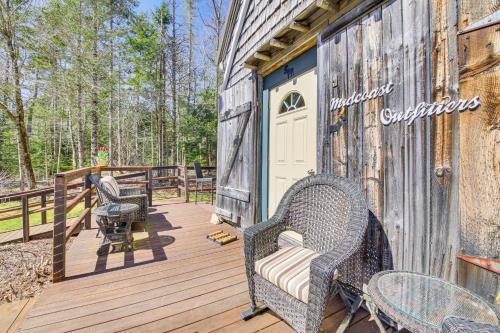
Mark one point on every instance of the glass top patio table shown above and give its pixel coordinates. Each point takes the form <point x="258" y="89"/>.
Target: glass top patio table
<point x="421" y="303"/>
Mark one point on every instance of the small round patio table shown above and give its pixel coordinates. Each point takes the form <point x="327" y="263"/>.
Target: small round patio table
<point x="115" y="222"/>
<point x="420" y="303"/>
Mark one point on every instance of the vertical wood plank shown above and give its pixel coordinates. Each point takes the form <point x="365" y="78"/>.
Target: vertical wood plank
<point x="480" y="143"/>
<point x="355" y="112"/>
<point x="415" y="22"/>
<point x="59" y="235"/>
<point x="444" y="145"/>
<point x="372" y="142"/>
<point x="324" y="84"/>
<point x="338" y="86"/>
<point x="26" y="218"/>
<point x="393" y="135"/>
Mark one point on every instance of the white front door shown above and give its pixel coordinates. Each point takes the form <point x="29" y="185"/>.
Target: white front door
<point x="292" y="134"/>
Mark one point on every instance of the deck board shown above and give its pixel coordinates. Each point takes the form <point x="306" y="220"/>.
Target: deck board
<point x="174" y="280"/>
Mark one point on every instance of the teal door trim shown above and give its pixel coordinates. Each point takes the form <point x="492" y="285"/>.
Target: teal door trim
<point x="265" y="156"/>
<point x="286" y="72"/>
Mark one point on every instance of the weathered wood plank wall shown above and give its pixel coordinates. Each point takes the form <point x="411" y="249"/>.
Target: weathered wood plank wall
<point x="479" y="64"/>
<point x="399" y="167"/>
<point x="434" y="185"/>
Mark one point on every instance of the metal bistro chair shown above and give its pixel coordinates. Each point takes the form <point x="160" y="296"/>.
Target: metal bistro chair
<point x="296" y="282"/>
<point x="202" y="180"/>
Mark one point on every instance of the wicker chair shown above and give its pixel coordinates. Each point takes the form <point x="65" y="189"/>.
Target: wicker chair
<point x="332" y="216"/>
<point x="125" y="195"/>
<point x="461" y="325"/>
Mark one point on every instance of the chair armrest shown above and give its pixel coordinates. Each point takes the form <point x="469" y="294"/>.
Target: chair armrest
<point x="462" y="325"/>
<point x="261" y="239"/>
<point x="130" y="191"/>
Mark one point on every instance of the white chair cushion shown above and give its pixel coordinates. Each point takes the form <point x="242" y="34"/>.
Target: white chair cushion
<point x="110" y="184"/>
<point x="288" y="269"/>
<point x="289" y="238"/>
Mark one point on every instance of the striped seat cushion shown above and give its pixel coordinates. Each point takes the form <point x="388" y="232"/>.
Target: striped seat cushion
<point x="288" y="269"/>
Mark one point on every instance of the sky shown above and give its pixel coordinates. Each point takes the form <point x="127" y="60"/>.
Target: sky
<point x="147" y="5"/>
<point x="201" y="8"/>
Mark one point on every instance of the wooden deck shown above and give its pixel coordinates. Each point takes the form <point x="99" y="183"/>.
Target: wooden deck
<point x="174" y="280"/>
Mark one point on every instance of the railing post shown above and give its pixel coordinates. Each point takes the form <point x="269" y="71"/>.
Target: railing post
<point x="88" y="201"/>
<point x="186" y="184"/>
<point x="43" y="204"/>
<point x="149" y="176"/>
<point x="59" y="237"/>
<point x="26" y="218"/>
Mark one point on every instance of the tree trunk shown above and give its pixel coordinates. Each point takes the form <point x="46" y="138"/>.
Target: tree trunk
<point x="59" y="147"/>
<point x="32" y="104"/>
<point x="79" y="90"/>
<point x="20" y="124"/>
<point x="111" y="91"/>
<point x="191" y="82"/>
<point x="119" y="115"/>
<point x="174" y="50"/>
<point x="94" y="140"/>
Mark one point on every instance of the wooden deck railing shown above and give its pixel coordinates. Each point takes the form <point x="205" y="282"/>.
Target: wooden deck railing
<point x="27" y="208"/>
<point x="179" y="177"/>
<point x="40" y="201"/>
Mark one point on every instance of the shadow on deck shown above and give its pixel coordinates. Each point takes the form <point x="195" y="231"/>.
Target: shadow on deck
<point x="174" y="280"/>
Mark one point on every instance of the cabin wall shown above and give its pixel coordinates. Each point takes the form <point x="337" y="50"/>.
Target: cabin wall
<point x="479" y="68"/>
<point x="432" y="186"/>
<point x="421" y="181"/>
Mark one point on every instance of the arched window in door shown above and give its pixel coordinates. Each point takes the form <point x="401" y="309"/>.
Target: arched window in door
<point x="292" y="102"/>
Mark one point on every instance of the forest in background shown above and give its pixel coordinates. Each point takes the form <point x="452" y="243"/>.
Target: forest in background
<point x="77" y="75"/>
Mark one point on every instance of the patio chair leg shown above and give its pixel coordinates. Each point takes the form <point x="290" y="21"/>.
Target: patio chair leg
<point x="352" y="308"/>
<point x="196" y="194"/>
<point x="252" y="312"/>
<point x="212" y="191"/>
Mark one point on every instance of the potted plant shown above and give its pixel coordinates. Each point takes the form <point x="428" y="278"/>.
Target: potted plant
<point x="103" y="156"/>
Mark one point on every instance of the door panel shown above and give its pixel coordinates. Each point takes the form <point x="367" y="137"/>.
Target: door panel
<point x="292" y="134"/>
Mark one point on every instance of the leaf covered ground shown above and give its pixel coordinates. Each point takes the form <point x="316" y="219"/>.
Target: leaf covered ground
<point x="25" y="269"/>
